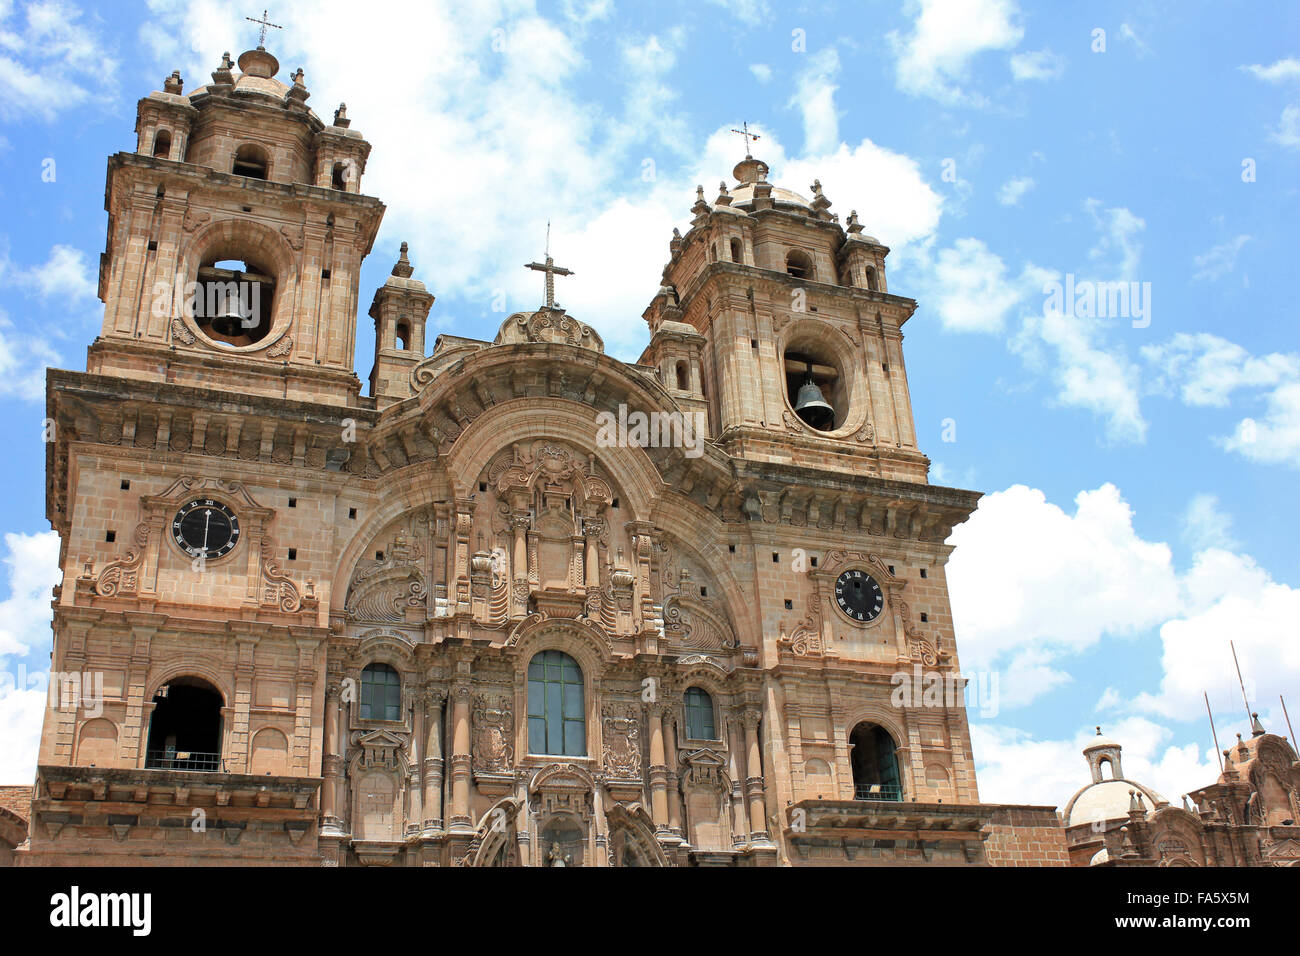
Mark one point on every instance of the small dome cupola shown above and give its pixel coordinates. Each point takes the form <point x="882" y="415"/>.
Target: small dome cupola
<point x="1100" y="751"/>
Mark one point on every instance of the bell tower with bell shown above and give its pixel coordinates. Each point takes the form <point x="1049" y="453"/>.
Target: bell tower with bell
<point x="778" y="317"/>
<point x="236" y="233"/>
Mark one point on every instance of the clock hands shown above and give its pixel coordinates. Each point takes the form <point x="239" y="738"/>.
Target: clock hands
<point x="207" y="520"/>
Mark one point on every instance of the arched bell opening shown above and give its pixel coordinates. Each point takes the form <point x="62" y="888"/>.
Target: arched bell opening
<point x="874" y="757"/>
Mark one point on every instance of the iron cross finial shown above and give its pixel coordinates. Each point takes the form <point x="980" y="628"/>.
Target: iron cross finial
<point x="551" y="270"/>
<point x="264" y="23"/>
<point x="744" y="131"/>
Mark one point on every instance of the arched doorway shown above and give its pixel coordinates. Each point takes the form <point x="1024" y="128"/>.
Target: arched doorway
<point x="875" y="763"/>
<point x="185" y="729"/>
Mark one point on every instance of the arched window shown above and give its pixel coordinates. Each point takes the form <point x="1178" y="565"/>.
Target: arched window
<point x="235" y="299"/>
<point x="339" y="177"/>
<point x="251" y="161"/>
<point x="403" y="336"/>
<point x="162" y="144"/>
<point x="799" y="264"/>
<point x="875" y="764"/>
<point x="381" y="693"/>
<point x="737" y="252"/>
<point x="185" y="727"/>
<point x="699" y="715"/>
<point x="682" y="379"/>
<point x="557" y="721"/>
<point x="871" y="279"/>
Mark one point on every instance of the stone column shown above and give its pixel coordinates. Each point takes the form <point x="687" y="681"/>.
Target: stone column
<point x="592" y="528"/>
<point x="658" y="768"/>
<point x="736" y="767"/>
<point x="754" y="778"/>
<point x="415" y="783"/>
<point x="674" y="791"/>
<point x="460" y="758"/>
<point x="433" y="762"/>
<point x="332" y="765"/>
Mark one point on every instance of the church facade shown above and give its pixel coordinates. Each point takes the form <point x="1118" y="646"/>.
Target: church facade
<point x="520" y="603"/>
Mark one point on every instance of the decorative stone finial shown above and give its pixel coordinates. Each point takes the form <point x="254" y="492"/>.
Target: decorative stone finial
<point x="341" y="116"/>
<point x="854" y="226"/>
<point x="222" y="75"/>
<point x="403" y="269"/>
<point x="174" y="83"/>
<point x="1256" y="728"/>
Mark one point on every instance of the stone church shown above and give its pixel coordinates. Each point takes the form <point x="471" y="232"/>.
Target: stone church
<point x="518" y="603"/>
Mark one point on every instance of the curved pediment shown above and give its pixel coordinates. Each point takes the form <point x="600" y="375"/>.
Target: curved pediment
<point x="548" y="325"/>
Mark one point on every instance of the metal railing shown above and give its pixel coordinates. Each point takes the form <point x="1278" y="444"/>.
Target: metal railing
<point x="189" y="760"/>
<point x="878" y="791"/>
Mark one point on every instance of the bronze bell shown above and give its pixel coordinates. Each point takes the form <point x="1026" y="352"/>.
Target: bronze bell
<point x="812" y="407"/>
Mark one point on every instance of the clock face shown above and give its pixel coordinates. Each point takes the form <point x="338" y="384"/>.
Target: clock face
<point x="859" y="596"/>
<point x="205" y="528"/>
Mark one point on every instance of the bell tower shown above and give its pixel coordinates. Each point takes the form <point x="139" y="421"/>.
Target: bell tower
<point x="236" y="233"/>
<point x="800" y="343"/>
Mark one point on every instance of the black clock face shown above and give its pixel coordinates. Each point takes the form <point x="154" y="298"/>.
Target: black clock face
<point x="859" y="596"/>
<point x="206" y="528"/>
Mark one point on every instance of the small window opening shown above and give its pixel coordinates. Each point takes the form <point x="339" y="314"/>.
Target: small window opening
<point x="737" y="251"/>
<point x="682" y="380"/>
<point x="925" y="618"/>
<point x="162" y="144"/>
<point x="339" y="177"/>
<point x="110" y="536"/>
<point x="871" y="279"/>
<point x="731" y="548"/>
<point x="704" y="592"/>
<point x="776" y="557"/>
<point x="482" y="486"/>
<point x="923" y="572"/>
<point x="126" y="484"/>
<point x="251" y="161"/>
<point x="402" y="335"/>
<point x="293" y="502"/>
<point x="789" y="604"/>
<point x="379" y="555"/>
<point x="799" y="264"/>
<point x="293" y="554"/>
<point x="352" y="513"/>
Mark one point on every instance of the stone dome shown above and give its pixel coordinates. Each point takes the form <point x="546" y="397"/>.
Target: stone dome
<point x="1105" y="798"/>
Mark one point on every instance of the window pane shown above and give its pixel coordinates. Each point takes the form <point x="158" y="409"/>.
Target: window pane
<point x="536" y="698"/>
<point x="574" y="744"/>
<point x="573" y="700"/>
<point x="536" y="735"/>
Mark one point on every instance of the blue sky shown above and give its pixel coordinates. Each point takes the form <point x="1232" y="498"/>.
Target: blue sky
<point x="1140" y="471"/>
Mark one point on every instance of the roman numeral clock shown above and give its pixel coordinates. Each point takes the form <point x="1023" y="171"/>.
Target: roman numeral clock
<point x="206" y="528"/>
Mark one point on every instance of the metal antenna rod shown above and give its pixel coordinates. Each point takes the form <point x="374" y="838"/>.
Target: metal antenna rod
<point x="1241" y="683"/>
<point x="1288" y="723"/>
<point x="1214" y="733"/>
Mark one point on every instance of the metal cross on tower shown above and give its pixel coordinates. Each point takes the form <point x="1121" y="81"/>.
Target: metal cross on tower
<point x="744" y="131"/>
<point x="264" y="23"/>
<point x="551" y="270"/>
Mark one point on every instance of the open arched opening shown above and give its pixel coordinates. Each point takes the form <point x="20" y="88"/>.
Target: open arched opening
<point x="683" y="377"/>
<point x="402" y="336"/>
<point x="234" y="300"/>
<point x="799" y="264"/>
<point x="875" y="763"/>
<point x="185" y="728"/>
<point x="815" y="387"/>
<point x="252" y="161"/>
<point x="737" y="251"/>
<point x="339" y="176"/>
<point x="162" y="144"/>
<point x="872" y="283"/>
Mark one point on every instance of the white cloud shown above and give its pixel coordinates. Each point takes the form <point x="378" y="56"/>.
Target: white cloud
<point x="934" y="58"/>
<point x="23" y="361"/>
<point x="1278" y="72"/>
<point x="762" y="72"/>
<point x="50" y="61"/>
<point x="1012" y="766"/>
<point x="1220" y="260"/>
<point x="814" y="97"/>
<point x="1032" y="585"/>
<point x="1037" y="65"/>
<point x="32" y="568"/>
<point x="1014" y="189"/>
<point x="1087" y="374"/>
<point x="1205" y="370"/>
<point x="969" y="288"/>
<point x="1127" y="32"/>
<point x="1206" y="525"/>
<point x="65" y="274"/>
<point x="749" y="12"/>
<point x="1227" y="596"/>
<point x="1118" y="228"/>
<point x="1288" y="128"/>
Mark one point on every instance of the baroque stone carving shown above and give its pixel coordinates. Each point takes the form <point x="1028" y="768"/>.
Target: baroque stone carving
<point x="622" y="738"/>
<point x="383" y="590"/>
<point x="494" y="725"/>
